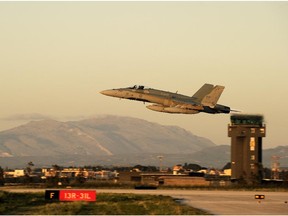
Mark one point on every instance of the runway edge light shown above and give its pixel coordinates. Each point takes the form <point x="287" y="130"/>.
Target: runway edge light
<point x="257" y="196"/>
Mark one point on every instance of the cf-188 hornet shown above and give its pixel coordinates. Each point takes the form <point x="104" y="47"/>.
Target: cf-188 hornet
<point x="204" y="100"/>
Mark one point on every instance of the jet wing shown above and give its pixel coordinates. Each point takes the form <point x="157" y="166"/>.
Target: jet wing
<point x="186" y="104"/>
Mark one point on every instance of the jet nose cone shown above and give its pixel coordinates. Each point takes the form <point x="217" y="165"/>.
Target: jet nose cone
<point x="108" y="92"/>
<point x="105" y="92"/>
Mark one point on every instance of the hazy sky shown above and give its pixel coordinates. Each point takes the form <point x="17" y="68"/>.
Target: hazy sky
<point x="55" y="57"/>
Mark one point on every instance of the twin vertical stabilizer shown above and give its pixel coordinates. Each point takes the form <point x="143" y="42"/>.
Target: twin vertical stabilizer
<point x="212" y="98"/>
<point x="208" y="95"/>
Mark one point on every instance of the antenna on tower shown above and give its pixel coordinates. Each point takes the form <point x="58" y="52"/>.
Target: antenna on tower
<point x="275" y="167"/>
<point x="160" y="157"/>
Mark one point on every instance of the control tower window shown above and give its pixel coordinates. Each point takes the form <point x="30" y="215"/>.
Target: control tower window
<point x="252" y="144"/>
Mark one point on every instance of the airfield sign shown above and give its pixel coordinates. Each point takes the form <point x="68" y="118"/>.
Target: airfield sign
<point x="71" y="195"/>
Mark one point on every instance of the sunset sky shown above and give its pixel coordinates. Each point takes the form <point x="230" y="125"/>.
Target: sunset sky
<point x="55" y="58"/>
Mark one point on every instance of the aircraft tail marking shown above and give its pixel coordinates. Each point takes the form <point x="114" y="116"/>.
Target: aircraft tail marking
<point x="212" y="98"/>
<point x="202" y="92"/>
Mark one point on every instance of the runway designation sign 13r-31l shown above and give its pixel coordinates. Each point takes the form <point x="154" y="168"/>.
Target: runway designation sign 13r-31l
<point x="71" y="195"/>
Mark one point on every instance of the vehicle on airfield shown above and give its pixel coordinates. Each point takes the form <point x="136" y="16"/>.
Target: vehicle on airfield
<point x="204" y="100"/>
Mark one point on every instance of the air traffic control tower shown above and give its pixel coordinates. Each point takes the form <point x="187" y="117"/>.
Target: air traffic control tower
<point x="246" y="132"/>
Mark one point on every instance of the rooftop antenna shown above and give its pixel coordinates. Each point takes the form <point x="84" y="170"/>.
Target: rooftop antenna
<point x="275" y="167"/>
<point x="160" y="157"/>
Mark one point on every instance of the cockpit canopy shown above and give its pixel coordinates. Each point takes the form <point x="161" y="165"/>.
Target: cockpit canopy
<point x="138" y="87"/>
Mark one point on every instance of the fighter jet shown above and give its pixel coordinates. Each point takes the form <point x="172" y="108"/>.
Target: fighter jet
<point x="204" y="100"/>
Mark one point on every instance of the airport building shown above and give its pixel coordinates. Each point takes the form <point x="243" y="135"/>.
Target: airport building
<point x="246" y="132"/>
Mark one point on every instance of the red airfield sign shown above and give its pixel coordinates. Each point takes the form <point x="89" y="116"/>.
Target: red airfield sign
<point x="71" y="195"/>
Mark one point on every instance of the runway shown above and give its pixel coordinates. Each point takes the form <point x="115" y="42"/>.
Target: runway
<point x="215" y="202"/>
<point x="224" y="202"/>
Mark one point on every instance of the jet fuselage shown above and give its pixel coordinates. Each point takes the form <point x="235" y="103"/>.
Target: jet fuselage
<point x="164" y="101"/>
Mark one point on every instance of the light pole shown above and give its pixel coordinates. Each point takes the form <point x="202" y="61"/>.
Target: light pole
<point x="160" y="157"/>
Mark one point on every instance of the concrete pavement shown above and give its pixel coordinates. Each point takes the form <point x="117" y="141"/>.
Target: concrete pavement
<point x="224" y="202"/>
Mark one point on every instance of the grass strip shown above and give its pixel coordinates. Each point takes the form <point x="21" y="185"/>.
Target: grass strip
<point x="106" y="204"/>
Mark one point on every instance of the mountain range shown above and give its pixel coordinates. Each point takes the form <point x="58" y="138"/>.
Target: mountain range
<point x="105" y="136"/>
<point x="110" y="140"/>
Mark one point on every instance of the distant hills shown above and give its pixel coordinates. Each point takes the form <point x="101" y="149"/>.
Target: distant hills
<point x="111" y="140"/>
<point x="98" y="137"/>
